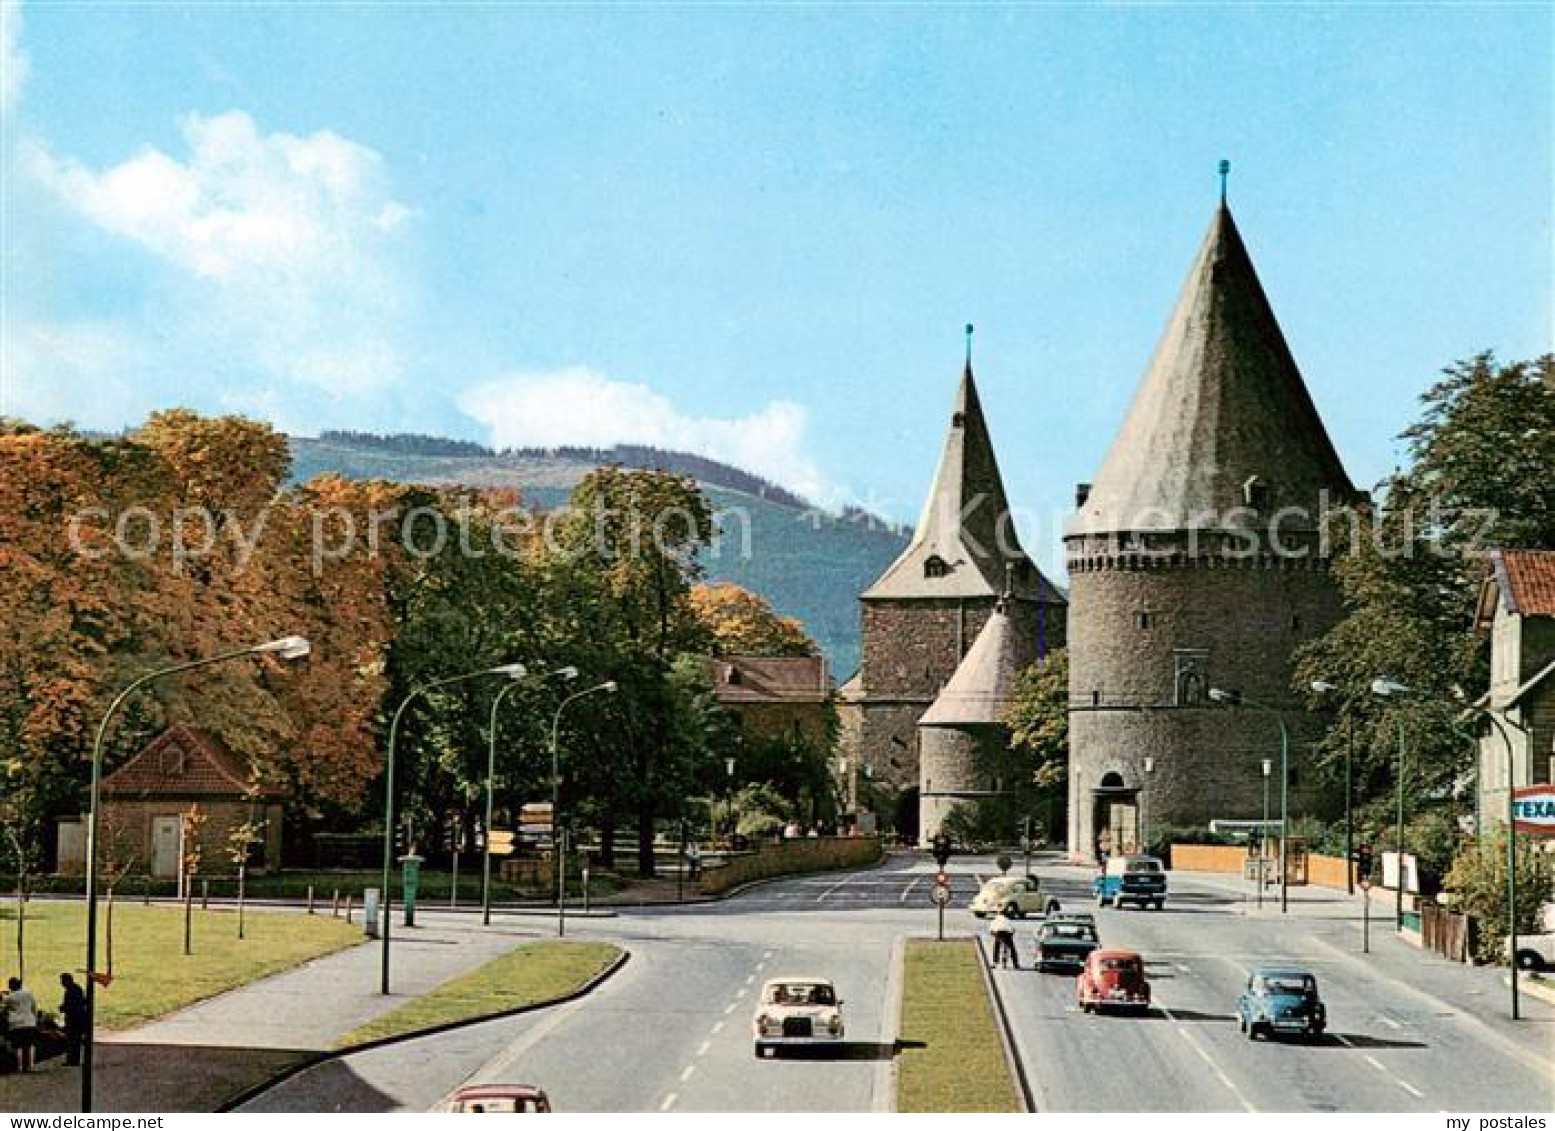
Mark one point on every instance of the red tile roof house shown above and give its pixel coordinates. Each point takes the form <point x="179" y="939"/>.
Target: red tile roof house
<point x="1517" y="605"/>
<point x="145" y="800"/>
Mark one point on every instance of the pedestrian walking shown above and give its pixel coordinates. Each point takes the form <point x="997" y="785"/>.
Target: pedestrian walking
<point x="72" y="1011"/>
<point x="21" y="1023"/>
<point x="1002" y="931"/>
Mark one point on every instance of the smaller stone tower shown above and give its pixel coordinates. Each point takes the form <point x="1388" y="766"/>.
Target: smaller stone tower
<point x="965" y="745"/>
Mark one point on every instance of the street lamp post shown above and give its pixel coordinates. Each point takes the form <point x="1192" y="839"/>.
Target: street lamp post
<point x="1388" y="688"/>
<point x="1511" y="846"/>
<point x="1235" y="698"/>
<point x="1323" y="687"/>
<point x="509" y="671"/>
<point x="1263" y="830"/>
<point x="286" y="648"/>
<point x="558" y="841"/>
<point x="566" y="673"/>
<point x="729" y="795"/>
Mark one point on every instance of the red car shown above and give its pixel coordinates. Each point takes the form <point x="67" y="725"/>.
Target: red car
<point x="498" y="1099"/>
<point x="1113" y="979"/>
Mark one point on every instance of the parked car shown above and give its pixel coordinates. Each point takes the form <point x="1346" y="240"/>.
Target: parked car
<point x="1063" y="944"/>
<point x="1281" y="999"/>
<point x="1140" y="880"/>
<point x="498" y="1099"/>
<point x="1534" y="952"/>
<point x="1016" y="896"/>
<point x="797" y="1011"/>
<point x="1113" y="979"/>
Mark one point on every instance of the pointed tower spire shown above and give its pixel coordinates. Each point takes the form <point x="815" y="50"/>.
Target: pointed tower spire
<point x="1222" y="432"/>
<point x="1225" y="171"/>
<point x="965" y="536"/>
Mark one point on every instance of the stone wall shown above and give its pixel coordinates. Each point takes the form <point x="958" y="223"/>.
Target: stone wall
<point x="1245" y="619"/>
<point x="792" y="857"/>
<point x="960" y="765"/>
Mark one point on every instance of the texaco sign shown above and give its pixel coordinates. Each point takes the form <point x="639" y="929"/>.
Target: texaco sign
<point x="1533" y="810"/>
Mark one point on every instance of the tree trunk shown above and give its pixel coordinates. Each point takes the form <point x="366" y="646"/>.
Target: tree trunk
<point x="21" y="929"/>
<point x="242" y="877"/>
<point x="188" y="918"/>
<point x="607" y="839"/>
<point x="108" y="933"/>
<point x="645" y="861"/>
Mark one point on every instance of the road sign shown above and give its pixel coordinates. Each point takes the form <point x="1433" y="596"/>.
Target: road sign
<point x="501" y="842"/>
<point x="940" y="894"/>
<point x="537" y="813"/>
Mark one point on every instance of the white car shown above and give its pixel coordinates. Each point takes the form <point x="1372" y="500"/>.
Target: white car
<point x="1534" y="952"/>
<point x="797" y="1011"/>
<point x="1016" y="896"/>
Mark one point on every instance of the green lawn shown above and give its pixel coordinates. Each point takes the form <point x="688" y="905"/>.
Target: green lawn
<point x="534" y="972"/>
<point x="151" y="975"/>
<point x="952" y="1059"/>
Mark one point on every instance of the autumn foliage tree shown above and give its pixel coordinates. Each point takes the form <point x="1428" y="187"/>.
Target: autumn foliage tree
<point x="742" y="623"/>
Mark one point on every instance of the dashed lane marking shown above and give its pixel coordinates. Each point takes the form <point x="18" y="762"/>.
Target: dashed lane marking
<point x="1389" y="1022"/>
<point x="728" y="1009"/>
<point x="739" y="995"/>
<point x="1377" y="1064"/>
<point x="749" y="978"/>
<point x="760" y="966"/>
<point x="1183" y="968"/>
<point x="702" y="1051"/>
<point x="669" y="1101"/>
<point x="1207" y="1059"/>
<point x="686" y="1072"/>
<point x="714" y="1031"/>
<point x="1411" y="1089"/>
<point x="766" y="954"/>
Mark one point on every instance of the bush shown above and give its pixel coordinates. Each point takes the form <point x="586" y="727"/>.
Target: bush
<point x="1478" y="876"/>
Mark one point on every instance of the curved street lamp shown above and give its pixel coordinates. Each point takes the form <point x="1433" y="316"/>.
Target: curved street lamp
<point x="1234" y="699"/>
<point x="566" y="673"/>
<point x="1388" y="689"/>
<point x="508" y="671"/>
<point x="1511" y="841"/>
<point x="286" y="648"/>
<point x="558" y="841"/>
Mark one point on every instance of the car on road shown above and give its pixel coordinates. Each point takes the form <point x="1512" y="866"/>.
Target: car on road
<point x="1281" y="999"/>
<point x="1534" y="952"/>
<point x="797" y="1011"/>
<point x="1016" y="896"/>
<point x="1064" y="944"/>
<point x="1140" y="880"/>
<point x="1113" y="979"/>
<point x="498" y="1099"/>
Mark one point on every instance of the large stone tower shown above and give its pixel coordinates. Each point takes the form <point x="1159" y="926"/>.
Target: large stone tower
<point x="1195" y="561"/>
<point x="922" y="615"/>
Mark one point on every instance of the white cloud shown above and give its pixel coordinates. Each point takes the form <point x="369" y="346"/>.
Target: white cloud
<point x="69" y="371"/>
<point x="13" y="60"/>
<point x="582" y="407"/>
<point x="281" y="249"/>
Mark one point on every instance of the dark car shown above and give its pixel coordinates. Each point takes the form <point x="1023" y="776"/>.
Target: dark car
<point x="1281" y="999"/>
<point x="1064" y="944"/>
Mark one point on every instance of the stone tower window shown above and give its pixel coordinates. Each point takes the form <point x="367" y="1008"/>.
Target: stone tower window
<point x="936" y="566"/>
<point x="958" y="420"/>
<point x="1255" y="493"/>
<point x="1143" y="620"/>
<point x="1295" y="622"/>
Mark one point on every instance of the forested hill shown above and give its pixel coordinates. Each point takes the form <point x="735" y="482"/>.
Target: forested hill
<point x="809" y="564"/>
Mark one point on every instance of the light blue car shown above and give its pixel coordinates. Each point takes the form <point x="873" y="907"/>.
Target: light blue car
<point x="1281" y="999"/>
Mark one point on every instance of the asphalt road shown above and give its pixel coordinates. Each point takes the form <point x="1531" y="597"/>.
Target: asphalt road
<point x="671" y="1031"/>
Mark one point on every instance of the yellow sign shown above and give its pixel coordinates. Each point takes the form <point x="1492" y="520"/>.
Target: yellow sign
<point x="500" y="842"/>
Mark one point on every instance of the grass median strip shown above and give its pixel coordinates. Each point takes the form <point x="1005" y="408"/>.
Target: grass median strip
<point x="151" y="974"/>
<point x="531" y="973"/>
<point x="951" y="1058"/>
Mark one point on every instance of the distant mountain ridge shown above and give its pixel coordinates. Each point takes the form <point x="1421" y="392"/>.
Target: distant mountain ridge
<point x="809" y="563"/>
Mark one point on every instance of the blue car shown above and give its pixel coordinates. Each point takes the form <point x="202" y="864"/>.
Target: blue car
<point x="1140" y="880"/>
<point x="1281" y="999"/>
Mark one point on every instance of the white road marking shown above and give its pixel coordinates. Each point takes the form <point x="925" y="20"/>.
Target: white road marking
<point x="906" y="891"/>
<point x="714" y="1031"/>
<point x="686" y="1075"/>
<point x="1188" y="970"/>
<point x="760" y="966"/>
<point x="1377" y="1064"/>
<point x="739" y="995"/>
<point x="749" y="978"/>
<point x="729" y="1009"/>
<point x="1388" y="1021"/>
<point x="669" y="1101"/>
<point x="1411" y="1089"/>
<point x="705" y="1046"/>
<point x="768" y="953"/>
<point x="840" y="883"/>
<point x="1209" y="1060"/>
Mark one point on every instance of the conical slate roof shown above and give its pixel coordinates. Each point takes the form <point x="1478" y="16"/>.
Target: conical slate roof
<point x="965" y="544"/>
<point x="1221" y="402"/>
<point x="983" y="687"/>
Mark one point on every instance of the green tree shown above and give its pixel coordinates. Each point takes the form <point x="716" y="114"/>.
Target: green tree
<point x="1479" y="877"/>
<point x="1038" y="720"/>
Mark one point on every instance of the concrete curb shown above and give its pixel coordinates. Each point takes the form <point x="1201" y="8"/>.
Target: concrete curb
<point x="891" y="1029"/>
<point x="1012" y="1059"/>
<point x="253" y="1091"/>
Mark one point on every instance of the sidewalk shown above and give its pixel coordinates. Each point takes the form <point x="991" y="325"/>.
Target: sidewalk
<point x="193" y="1059"/>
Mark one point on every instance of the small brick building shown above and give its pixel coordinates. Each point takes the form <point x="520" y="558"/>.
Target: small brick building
<point x="145" y="800"/>
<point x="776" y="696"/>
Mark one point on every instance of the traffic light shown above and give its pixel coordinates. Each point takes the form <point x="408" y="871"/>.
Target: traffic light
<point x="941" y="849"/>
<point x="1363" y="861"/>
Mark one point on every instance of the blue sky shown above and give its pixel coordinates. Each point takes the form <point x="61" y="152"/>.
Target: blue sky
<point x="757" y="230"/>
